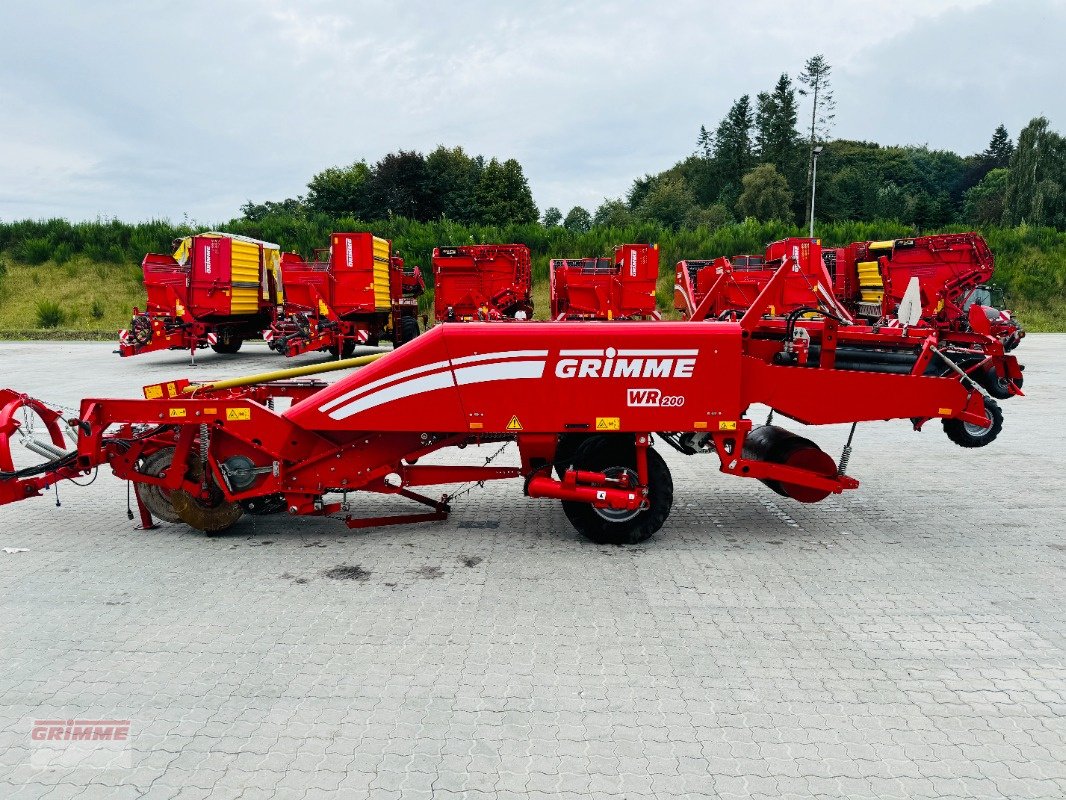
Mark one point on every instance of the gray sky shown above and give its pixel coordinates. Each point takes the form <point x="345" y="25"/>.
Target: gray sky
<point x="141" y="109"/>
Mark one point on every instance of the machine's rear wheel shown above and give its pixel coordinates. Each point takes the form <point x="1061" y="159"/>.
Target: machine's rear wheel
<point x="344" y="351"/>
<point x="228" y="342"/>
<point x="212" y="514"/>
<point x="996" y="386"/>
<point x="614" y="455"/>
<point x="408" y="329"/>
<point x="966" y="434"/>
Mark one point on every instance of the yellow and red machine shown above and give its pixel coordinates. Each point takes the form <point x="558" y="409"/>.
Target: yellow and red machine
<point x="356" y="291"/>
<point x="215" y="290"/>
<point x="620" y="287"/>
<point x="584" y="404"/>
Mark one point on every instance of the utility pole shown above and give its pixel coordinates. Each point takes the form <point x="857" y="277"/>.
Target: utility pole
<point x="817" y="151"/>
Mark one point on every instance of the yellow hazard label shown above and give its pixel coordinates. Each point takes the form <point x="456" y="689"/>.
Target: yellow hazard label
<point x="179" y="309"/>
<point x="945" y="412"/>
<point x="172" y="390"/>
<point x="608" y="423"/>
<point x="514" y="424"/>
<point x="238" y="414"/>
<point x="177" y="412"/>
<point x="153" y="392"/>
<point x="727" y="426"/>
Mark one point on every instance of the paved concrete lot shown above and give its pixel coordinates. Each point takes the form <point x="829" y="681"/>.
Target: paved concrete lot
<point x="905" y="640"/>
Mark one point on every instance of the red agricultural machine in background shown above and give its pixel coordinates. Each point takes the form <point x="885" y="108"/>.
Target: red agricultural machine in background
<point x="482" y="282"/>
<point x="215" y="290"/>
<point x="354" y="292"/>
<point x="618" y="288"/>
<point x="870" y="279"/>
<point x="205" y="454"/>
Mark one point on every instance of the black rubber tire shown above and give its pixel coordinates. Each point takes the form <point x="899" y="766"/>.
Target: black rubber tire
<point x="967" y="436"/>
<point x="345" y="351"/>
<point x="408" y="329"/>
<point x="228" y="343"/>
<point x="996" y="386"/>
<point x="598" y="453"/>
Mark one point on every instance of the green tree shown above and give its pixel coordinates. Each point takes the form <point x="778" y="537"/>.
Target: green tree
<point x="341" y="191"/>
<point x="613" y="214"/>
<point x="776" y="140"/>
<point x="704" y="143"/>
<point x="732" y="142"/>
<point x="578" y="219"/>
<point x="452" y="179"/>
<point x="291" y="207"/>
<point x="710" y="217"/>
<point x="1000" y="149"/>
<point x="984" y="204"/>
<point x="553" y="217"/>
<point x="766" y="196"/>
<point x="815" y="83"/>
<point x="1036" y="183"/>
<point x="400" y="187"/>
<point x="504" y="196"/>
<point x="668" y="203"/>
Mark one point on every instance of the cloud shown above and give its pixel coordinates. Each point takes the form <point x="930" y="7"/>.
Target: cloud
<point x="146" y="109"/>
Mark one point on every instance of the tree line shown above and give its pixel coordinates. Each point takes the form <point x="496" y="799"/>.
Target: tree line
<point x="446" y="184"/>
<point x="756" y="163"/>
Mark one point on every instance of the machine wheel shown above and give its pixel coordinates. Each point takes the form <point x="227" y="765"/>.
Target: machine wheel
<point x="966" y="434"/>
<point x="996" y="386"/>
<point x="228" y="342"/>
<point x="408" y="329"/>
<point x="141" y="330"/>
<point x="212" y="515"/>
<point x="155" y="498"/>
<point x="615" y="454"/>
<point x="345" y="351"/>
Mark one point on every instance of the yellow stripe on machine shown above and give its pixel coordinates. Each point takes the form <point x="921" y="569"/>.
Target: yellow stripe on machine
<point x="382" y="293"/>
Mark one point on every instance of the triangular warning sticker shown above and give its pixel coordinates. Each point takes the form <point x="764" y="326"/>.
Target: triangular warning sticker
<point x="514" y="424"/>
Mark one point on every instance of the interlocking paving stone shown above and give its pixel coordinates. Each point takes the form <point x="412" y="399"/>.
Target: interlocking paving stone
<point x="904" y="640"/>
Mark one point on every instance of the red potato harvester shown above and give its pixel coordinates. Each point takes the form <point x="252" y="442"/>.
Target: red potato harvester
<point x="215" y="290"/>
<point x="205" y="454"/>
<point x="482" y="282"/>
<point x="354" y="292"/>
<point x="870" y="279"/>
<point x="618" y="288"/>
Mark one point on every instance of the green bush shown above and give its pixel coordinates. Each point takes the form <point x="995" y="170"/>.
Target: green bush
<point x="49" y="314"/>
<point x="33" y="251"/>
<point x="97" y="310"/>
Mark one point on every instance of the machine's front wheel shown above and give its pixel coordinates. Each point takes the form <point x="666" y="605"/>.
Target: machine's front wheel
<point x="967" y="434"/>
<point x="612" y="455"/>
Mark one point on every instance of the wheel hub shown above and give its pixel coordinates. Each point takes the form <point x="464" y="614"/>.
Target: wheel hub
<point x="614" y="514"/>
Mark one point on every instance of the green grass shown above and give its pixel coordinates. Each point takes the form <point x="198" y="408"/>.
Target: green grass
<point x="92" y="298"/>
